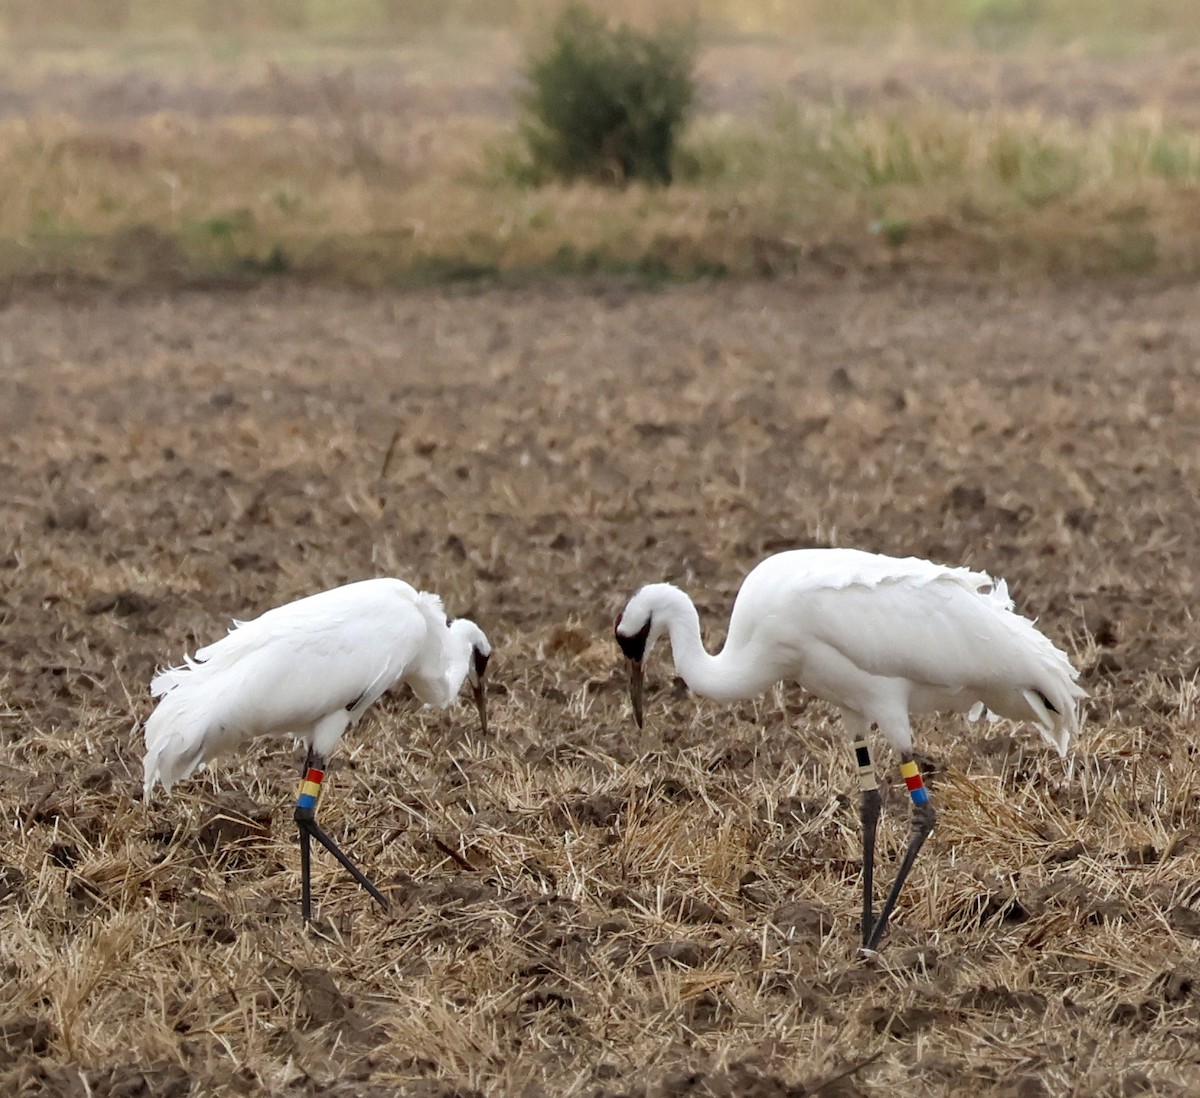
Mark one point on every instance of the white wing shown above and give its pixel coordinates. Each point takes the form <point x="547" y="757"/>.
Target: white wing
<point x="860" y="593"/>
<point x="877" y="631"/>
<point x="336" y="651"/>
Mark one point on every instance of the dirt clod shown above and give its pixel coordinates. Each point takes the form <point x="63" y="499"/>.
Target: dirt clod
<point x="323" y="1001"/>
<point x="1068" y="853"/>
<point x="135" y="1081"/>
<point x="595" y="810"/>
<point x="24" y="1035"/>
<point x="234" y="819"/>
<point x="900" y="1023"/>
<point x="1186" y="920"/>
<point x="803" y="920"/>
<point x="684" y="953"/>
<point x="11" y="880"/>
<point x="124" y="604"/>
<point x="1177" y="985"/>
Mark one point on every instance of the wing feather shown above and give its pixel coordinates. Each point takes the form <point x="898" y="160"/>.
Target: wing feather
<point x="945" y="631"/>
<point x="284" y="671"/>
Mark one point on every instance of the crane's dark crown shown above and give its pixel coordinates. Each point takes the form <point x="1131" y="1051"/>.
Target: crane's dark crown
<point x="481" y="662"/>
<point x="634" y="647"/>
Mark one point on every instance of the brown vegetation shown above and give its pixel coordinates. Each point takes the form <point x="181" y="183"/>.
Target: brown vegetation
<point x="183" y="159"/>
<point x="671" y="912"/>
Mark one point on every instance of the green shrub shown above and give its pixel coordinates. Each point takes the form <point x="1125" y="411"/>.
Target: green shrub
<point x="606" y="103"/>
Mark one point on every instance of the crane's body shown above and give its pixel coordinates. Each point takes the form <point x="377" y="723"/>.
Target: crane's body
<point x="310" y="668"/>
<point x="880" y="638"/>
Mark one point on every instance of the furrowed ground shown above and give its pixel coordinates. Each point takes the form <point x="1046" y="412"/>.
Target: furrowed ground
<point x="652" y="913"/>
<point x="642" y="911"/>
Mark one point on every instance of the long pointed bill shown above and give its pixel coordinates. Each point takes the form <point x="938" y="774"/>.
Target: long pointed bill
<point x="479" y="690"/>
<point x="636" y="684"/>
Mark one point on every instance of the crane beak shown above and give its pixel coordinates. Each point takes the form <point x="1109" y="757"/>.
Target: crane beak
<point x="634" y="648"/>
<point x="636" y="684"/>
<point x="478" y="680"/>
<point x="479" y="690"/>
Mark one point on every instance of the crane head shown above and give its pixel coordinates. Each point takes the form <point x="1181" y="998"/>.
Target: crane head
<point x="634" y="645"/>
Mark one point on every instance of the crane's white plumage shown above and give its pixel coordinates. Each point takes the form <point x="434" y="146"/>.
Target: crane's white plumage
<point x="877" y="636"/>
<point x="311" y="668"/>
<point x="880" y="638"/>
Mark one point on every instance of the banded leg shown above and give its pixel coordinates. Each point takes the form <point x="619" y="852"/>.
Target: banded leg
<point x="306" y="821"/>
<point x="869" y="813"/>
<point x="305" y="872"/>
<point x="923" y="819"/>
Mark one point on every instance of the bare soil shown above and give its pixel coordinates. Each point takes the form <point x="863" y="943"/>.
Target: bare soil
<point x="661" y="913"/>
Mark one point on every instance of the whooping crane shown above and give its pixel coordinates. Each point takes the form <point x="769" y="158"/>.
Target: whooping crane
<point x="880" y="638"/>
<point x="312" y="668"/>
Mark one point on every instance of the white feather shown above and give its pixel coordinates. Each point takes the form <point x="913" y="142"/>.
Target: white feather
<point x="879" y="637"/>
<point x="311" y="668"/>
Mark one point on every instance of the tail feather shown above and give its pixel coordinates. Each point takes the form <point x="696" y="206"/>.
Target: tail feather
<point x="182" y="734"/>
<point x="1055" y="717"/>
<point x="170" y="677"/>
<point x="1039" y="682"/>
<point x="998" y="594"/>
<point x="1055" y="694"/>
<point x="172" y="746"/>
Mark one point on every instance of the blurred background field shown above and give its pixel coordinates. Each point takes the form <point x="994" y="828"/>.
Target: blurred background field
<point x="221" y="141"/>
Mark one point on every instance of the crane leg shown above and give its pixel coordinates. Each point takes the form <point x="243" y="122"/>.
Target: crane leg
<point x="923" y="819"/>
<point x="305" y="873"/>
<point x="306" y="821"/>
<point x="869" y="811"/>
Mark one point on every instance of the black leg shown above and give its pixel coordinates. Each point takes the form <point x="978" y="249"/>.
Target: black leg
<point x="306" y="821"/>
<point x="305" y="873"/>
<point x="314" y="828"/>
<point x="923" y="819"/>
<point x="871" y="802"/>
<point x="869" y="813"/>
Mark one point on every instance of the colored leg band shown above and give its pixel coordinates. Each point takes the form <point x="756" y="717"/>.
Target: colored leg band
<point x="866" y="768"/>
<point x="310" y="789"/>
<point x="912" y="778"/>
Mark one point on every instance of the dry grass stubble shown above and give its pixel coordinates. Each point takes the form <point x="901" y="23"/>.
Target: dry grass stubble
<point x="658" y="913"/>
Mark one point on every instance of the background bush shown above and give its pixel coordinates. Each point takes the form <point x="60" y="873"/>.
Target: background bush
<point x="607" y="103"/>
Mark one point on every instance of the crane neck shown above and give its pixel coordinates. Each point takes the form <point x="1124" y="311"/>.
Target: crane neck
<point x="444" y="664"/>
<point x="731" y="675"/>
<point x="457" y="647"/>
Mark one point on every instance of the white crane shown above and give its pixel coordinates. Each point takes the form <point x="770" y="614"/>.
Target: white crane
<point x="312" y="668"/>
<point x="878" y="637"/>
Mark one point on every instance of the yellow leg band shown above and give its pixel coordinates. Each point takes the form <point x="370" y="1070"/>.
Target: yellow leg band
<point x="866" y="768"/>
<point x="912" y="779"/>
<point x="308" y="795"/>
